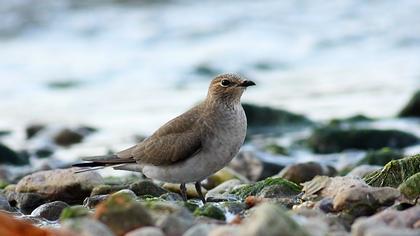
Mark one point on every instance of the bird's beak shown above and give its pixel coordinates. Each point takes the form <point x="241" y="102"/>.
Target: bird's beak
<point x="247" y="83"/>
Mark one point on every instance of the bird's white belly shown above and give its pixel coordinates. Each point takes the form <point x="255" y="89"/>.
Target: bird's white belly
<point x="194" y="169"/>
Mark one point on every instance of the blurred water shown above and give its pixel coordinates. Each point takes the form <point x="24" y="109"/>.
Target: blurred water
<point x="131" y="66"/>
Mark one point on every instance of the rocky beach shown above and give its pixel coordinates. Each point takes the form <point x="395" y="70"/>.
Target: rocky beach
<point x="376" y="194"/>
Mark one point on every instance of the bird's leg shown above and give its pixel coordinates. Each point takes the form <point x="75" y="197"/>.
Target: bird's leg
<point x="198" y="188"/>
<point x="183" y="191"/>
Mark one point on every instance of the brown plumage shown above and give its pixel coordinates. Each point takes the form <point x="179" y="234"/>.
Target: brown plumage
<point x="201" y="133"/>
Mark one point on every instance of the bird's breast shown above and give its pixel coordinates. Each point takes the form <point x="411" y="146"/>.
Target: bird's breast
<point x="228" y="134"/>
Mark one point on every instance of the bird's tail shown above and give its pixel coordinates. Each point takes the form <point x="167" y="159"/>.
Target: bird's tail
<point x="100" y="162"/>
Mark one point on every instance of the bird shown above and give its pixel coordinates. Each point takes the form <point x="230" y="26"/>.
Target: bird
<point x="193" y="145"/>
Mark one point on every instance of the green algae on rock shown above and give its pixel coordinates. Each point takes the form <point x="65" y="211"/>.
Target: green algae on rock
<point x="210" y="210"/>
<point x="74" y="212"/>
<point x="395" y="172"/>
<point x="332" y="139"/>
<point x="290" y="188"/>
<point x="411" y="187"/>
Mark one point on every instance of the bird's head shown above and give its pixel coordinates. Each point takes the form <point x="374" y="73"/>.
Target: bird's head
<point x="228" y="88"/>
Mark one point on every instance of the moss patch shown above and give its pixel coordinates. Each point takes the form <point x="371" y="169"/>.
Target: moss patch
<point x="210" y="210"/>
<point x="411" y="187"/>
<point x="73" y="212"/>
<point x="395" y="172"/>
<point x="254" y="189"/>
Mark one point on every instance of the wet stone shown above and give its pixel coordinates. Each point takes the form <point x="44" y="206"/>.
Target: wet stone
<point x="60" y="185"/>
<point x="389" y="222"/>
<point x="50" y="211"/>
<point x="171" y="197"/>
<point x="412" y="109"/>
<point x="222" y="176"/>
<point x="87" y="227"/>
<point x="332" y="139"/>
<point x="302" y="172"/>
<point x="380" y="157"/>
<point x="248" y="164"/>
<point x="93" y="201"/>
<point x="67" y="137"/>
<point x="200" y="230"/>
<point x="106" y="189"/>
<point x="44" y="152"/>
<point x="147" y="187"/>
<point x="121" y="213"/>
<point x="222" y="191"/>
<point x="260" y="116"/>
<point x="270" y="219"/>
<point x="33" y="129"/>
<point x="173" y="224"/>
<point x="27" y="202"/>
<point x="8" y="156"/>
<point x="146" y="231"/>
<point x="234" y="207"/>
<point x="210" y="210"/>
<point x="363" y="201"/>
<point x="4" y="204"/>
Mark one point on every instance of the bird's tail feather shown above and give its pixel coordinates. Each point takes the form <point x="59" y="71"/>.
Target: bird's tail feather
<point x="86" y="169"/>
<point x="100" y="162"/>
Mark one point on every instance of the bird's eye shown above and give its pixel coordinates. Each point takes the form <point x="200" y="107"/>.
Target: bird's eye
<point x="225" y="83"/>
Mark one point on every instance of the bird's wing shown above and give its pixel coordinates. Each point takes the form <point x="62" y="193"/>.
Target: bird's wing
<point x="175" y="141"/>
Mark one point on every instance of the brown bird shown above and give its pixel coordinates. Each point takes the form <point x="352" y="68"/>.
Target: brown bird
<point x="192" y="146"/>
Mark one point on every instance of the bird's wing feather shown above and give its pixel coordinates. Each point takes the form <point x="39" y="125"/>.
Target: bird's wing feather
<point x="168" y="149"/>
<point x="175" y="141"/>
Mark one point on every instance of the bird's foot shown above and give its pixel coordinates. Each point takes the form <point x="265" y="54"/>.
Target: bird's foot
<point x="183" y="191"/>
<point x="200" y="193"/>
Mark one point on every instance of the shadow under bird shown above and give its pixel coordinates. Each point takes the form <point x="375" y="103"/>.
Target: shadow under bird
<point x="192" y="146"/>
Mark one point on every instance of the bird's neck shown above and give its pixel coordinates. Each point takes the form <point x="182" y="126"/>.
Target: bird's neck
<point x="222" y="103"/>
